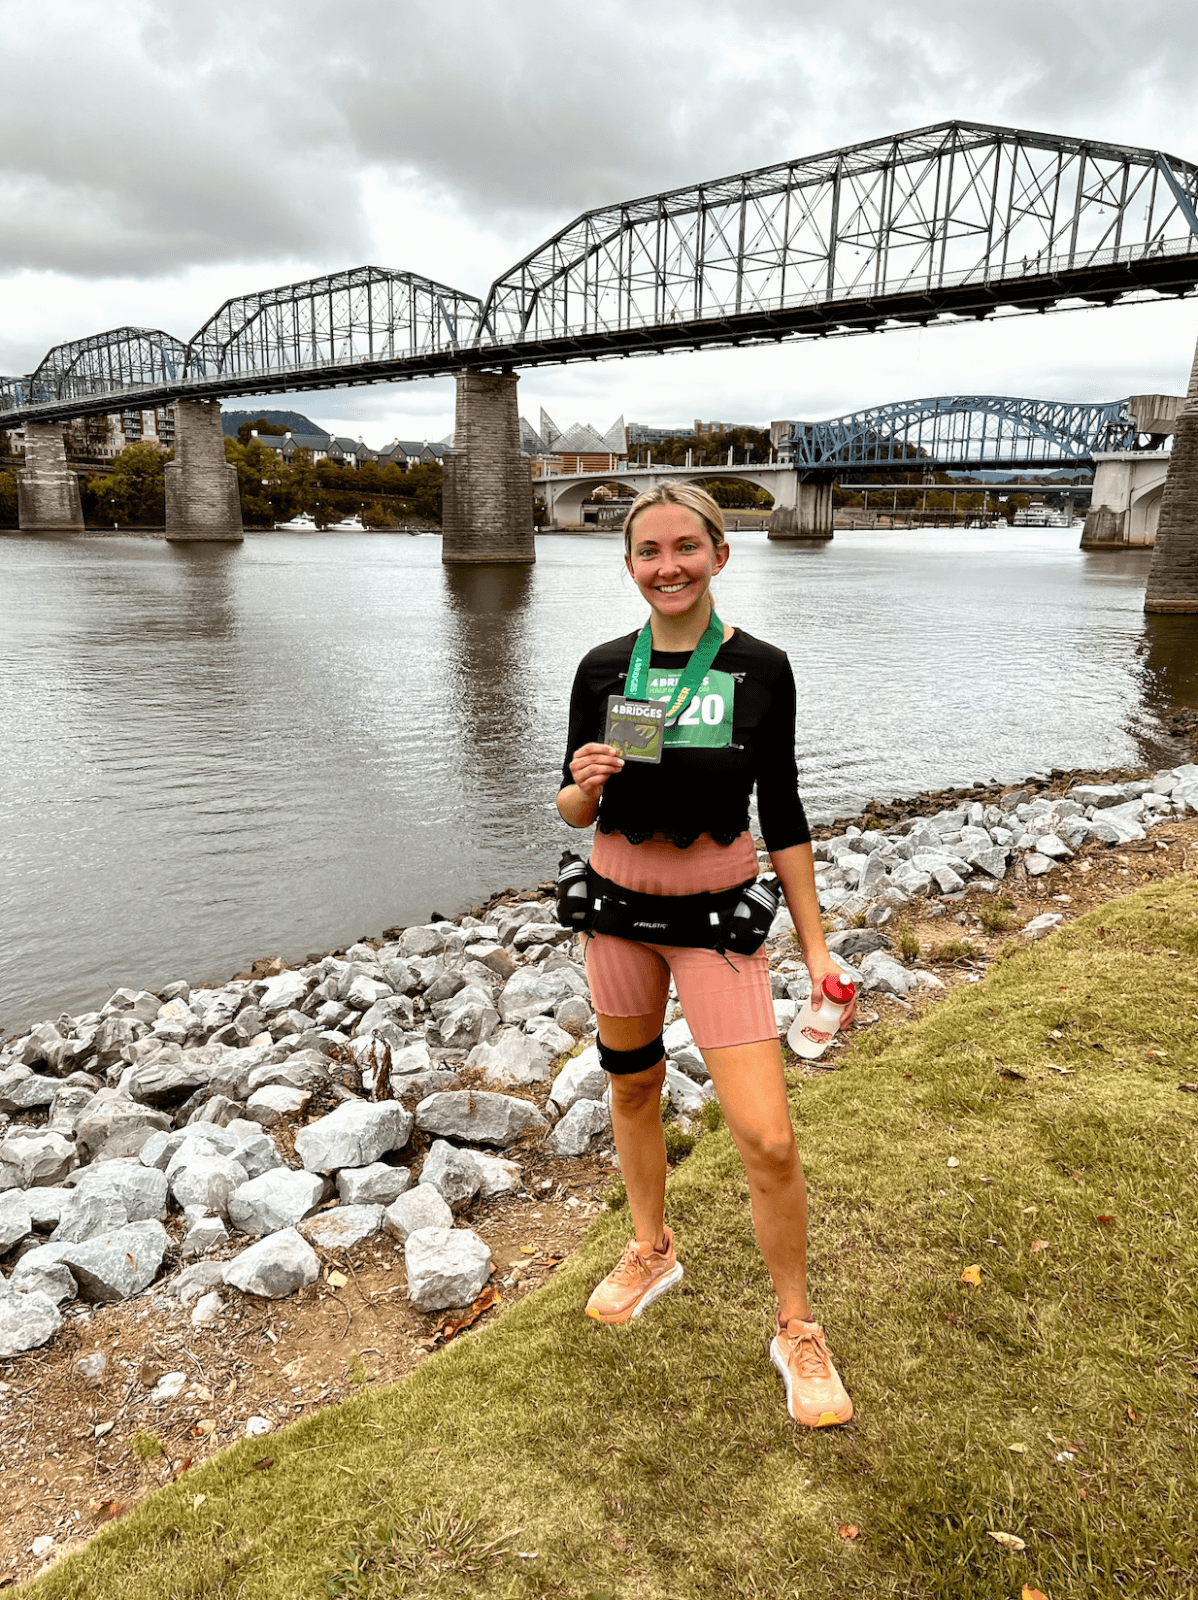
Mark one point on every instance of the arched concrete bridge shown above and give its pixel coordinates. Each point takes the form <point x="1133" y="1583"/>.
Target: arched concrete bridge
<point x="801" y="509"/>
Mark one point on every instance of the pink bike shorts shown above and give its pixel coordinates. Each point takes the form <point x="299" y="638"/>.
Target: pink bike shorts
<point x="726" y="1001"/>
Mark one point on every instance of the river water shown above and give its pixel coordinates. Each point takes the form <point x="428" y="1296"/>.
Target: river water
<point x="213" y="753"/>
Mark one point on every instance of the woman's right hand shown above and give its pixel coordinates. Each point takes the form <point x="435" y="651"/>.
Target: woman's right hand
<point x="593" y="765"/>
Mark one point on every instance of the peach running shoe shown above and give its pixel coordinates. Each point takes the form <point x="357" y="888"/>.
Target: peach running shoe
<point x="815" y="1395"/>
<point x="637" y="1279"/>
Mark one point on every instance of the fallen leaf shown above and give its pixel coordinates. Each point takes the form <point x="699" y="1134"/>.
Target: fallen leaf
<point x="1081" y="1493"/>
<point x="972" y="1275"/>
<point x="1131" y="1416"/>
<point x="952" y="1162"/>
<point x="848" y="1530"/>
<point x="104" y="1427"/>
<point x="528" y="1249"/>
<point x="181" y="1467"/>
<point x="1188" y="1088"/>
<point x="337" y="1279"/>
<point x="1106" y="1220"/>
<point x="107" y="1510"/>
<point x="554" y="1261"/>
<point x="1039" y="1244"/>
<point x="204" y="1426"/>
<point x="1019" y="1449"/>
<point x="1009" y="1541"/>
<point x="264" y="1463"/>
<point x="1028" y="1593"/>
<point x="197" y="1500"/>
<point x="450" y="1329"/>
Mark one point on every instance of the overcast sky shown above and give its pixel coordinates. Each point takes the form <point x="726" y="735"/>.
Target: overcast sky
<point x="157" y="158"/>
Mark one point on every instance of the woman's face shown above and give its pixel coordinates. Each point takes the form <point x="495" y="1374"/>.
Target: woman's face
<point x="673" y="559"/>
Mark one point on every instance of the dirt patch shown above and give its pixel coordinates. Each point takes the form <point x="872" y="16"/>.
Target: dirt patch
<point x="75" y="1452"/>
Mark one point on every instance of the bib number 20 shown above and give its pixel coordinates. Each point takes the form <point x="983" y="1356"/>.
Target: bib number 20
<point x="709" y="709"/>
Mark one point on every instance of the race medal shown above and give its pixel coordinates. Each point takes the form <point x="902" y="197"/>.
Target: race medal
<point x="635" y="727"/>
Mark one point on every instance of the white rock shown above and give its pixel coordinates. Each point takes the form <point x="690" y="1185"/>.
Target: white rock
<point x="881" y="971"/>
<point x="275" y="1266"/>
<point x="1037" y="865"/>
<point x="454" y="1173"/>
<point x="1048" y="844"/>
<point x="256" y="1427"/>
<point x="584" y="1121"/>
<point x="512" y="1057"/>
<point x="468" y="1025"/>
<point x="546" y="1031"/>
<point x="15" y="1221"/>
<point x="499" y="1176"/>
<point x="343" y="1227"/>
<point x="113" y="1266"/>
<point x="477" y="1116"/>
<point x="582" y="1078"/>
<point x="365" y="992"/>
<point x="142" y="1192"/>
<point x="206" y="1309"/>
<point x="23" y="1090"/>
<point x="31" y="1158"/>
<point x="114" y="1125"/>
<point x="685" y="1095"/>
<point x="205" y="1233"/>
<point x="169" y="1387"/>
<point x="88" y="1214"/>
<point x="527" y="994"/>
<point x="283" y="993"/>
<point x="206" y="1183"/>
<point x="356" y="1134"/>
<point x="421" y="1207"/>
<point x="1043" y="924"/>
<point x="785" y="1012"/>
<point x="377" y="1184"/>
<point x="278" y="1199"/>
<point x="26" y="1321"/>
<point x="920" y="979"/>
<point x="446" y="1267"/>
<point x="274" y="1102"/>
<point x="682" y="1050"/>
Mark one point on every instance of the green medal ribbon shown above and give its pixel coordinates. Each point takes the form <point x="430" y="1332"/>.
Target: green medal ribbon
<point x="704" y="653"/>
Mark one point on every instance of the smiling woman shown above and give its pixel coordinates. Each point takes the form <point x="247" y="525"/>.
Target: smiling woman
<point x="673" y="840"/>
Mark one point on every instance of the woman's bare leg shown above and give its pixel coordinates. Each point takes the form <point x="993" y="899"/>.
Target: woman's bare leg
<point x="636" y="1123"/>
<point x="749" y="1081"/>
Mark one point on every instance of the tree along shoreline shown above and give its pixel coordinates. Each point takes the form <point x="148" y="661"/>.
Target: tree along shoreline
<point x="131" y="494"/>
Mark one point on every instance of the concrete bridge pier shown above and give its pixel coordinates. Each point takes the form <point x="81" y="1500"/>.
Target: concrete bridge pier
<point x="47" y="490"/>
<point x="486" y="511"/>
<point x="202" y="500"/>
<point x="802" y="508"/>
<point x="1173" y="575"/>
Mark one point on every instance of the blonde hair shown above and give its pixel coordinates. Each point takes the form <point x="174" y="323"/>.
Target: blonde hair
<point x="687" y="495"/>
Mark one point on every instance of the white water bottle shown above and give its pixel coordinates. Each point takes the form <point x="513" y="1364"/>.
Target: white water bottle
<point x="813" y="1030"/>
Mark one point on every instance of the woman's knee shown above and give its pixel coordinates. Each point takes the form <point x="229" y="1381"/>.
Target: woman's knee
<point x="634" y="1091"/>
<point x="770" y="1157"/>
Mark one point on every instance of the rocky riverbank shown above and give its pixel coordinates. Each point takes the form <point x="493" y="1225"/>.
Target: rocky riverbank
<point x="197" y="1183"/>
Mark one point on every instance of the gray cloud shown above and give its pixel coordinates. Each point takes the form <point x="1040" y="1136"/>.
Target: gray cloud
<point x="143" y="137"/>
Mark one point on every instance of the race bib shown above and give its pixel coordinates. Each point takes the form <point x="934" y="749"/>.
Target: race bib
<point x="706" y="722"/>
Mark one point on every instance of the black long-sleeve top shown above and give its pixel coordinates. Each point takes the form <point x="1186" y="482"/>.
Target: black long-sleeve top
<point x="705" y="790"/>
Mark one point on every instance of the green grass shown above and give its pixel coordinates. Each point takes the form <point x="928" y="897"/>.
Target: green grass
<point x="549" y="1456"/>
<point x="995" y="916"/>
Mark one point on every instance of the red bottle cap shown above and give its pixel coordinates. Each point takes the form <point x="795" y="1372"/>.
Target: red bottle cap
<point x="839" y="989"/>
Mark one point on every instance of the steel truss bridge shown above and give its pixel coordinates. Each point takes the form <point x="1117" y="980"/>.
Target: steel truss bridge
<point x="963" y="431"/>
<point x="960" y="220"/>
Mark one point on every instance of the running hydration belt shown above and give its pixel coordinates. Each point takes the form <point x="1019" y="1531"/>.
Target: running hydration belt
<point x="736" y="919"/>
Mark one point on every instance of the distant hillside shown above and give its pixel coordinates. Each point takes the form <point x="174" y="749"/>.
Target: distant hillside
<point x="295" y="420"/>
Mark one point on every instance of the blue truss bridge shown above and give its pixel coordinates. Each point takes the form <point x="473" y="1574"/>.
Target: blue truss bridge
<point x="959" y="220"/>
<point x="960" y="432"/>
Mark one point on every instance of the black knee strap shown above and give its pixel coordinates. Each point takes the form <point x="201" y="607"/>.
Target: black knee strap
<point x="638" y="1060"/>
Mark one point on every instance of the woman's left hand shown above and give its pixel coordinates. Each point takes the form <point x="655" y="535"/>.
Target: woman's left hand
<point x="821" y="967"/>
